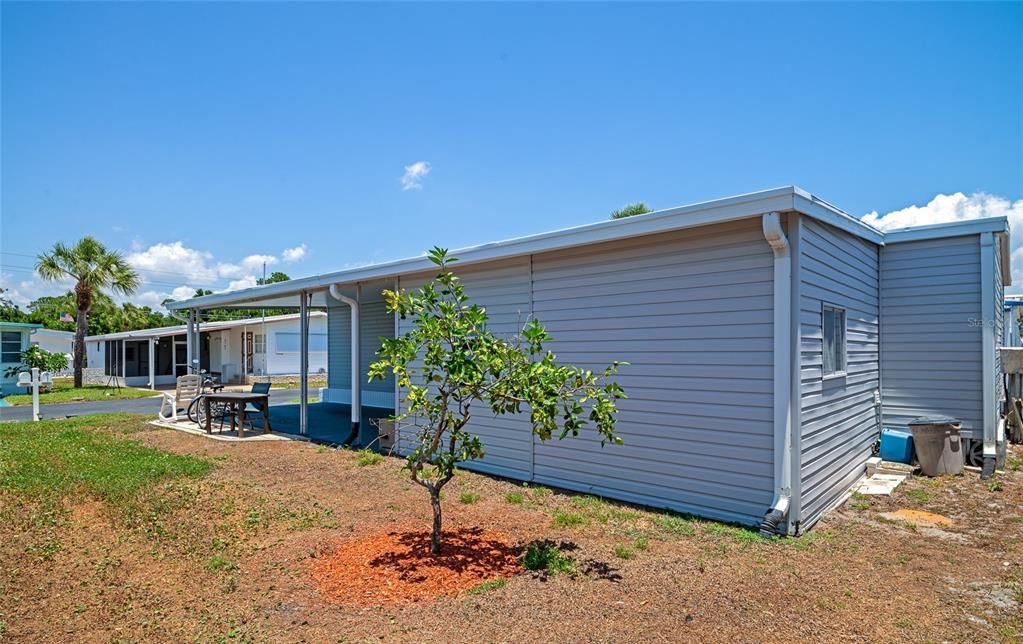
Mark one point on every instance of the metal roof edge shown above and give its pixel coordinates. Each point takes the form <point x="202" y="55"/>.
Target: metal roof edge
<point x="948" y="229"/>
<point x="702" y="213"/>
<point x="784" y="199"/>
<point x="161" y="331"/>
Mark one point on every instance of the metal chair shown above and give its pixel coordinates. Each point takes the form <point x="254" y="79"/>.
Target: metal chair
<point x="251" y="409"/>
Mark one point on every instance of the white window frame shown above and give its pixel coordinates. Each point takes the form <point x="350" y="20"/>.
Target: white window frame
<point x="842" y="359"/>
<point x="21" y="345"/>
<point x="259" y="343"/>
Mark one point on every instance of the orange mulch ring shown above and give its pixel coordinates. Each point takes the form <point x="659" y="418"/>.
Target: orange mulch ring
<point x="397" y="567"/>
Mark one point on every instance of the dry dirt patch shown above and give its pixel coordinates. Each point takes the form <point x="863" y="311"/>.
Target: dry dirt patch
<point x="231" y="557"/>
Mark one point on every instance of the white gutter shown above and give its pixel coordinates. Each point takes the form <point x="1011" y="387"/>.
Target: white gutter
<point x="776" y="520"/>
<point x="335" y="292"/>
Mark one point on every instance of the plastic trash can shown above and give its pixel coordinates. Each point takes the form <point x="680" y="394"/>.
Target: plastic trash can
<point x="938" y="447"/>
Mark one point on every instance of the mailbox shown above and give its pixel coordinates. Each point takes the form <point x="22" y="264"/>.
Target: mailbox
<point x="45" y="378"/>
<point x="24" y="379"/>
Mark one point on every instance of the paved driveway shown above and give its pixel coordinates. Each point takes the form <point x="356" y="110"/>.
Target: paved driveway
<point x="134" y="405"/>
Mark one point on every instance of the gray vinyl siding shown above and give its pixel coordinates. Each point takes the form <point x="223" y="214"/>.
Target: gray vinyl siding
<point x="838" y="412"/>
<point x="375" y="322"/>
<point x="930" y="332"/>
<point x="503" y="289"/>
<point x="692" y="313"/>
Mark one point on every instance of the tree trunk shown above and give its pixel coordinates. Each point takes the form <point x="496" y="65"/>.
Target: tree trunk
<point x="435" y="536"/>
<point x="82" y="325"/>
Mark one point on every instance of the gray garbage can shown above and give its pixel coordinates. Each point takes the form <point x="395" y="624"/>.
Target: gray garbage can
<point x="937" y="444"/>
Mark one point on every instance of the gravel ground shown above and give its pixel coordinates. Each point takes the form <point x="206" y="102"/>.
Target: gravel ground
<point x="230" y="558"/>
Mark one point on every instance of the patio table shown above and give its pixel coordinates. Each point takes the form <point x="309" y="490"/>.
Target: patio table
<point x="238" y="400"/>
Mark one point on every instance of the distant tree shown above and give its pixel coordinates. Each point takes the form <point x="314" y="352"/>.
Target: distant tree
<point x="274" y="278"/>
<point x="9" y="311"/>
<point x="450" y="360"/>
<point x="631" y="210"/>
<point x="94" y="269"/>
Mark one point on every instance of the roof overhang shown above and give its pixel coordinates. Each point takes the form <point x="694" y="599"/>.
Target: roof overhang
<point x="787" y="199"/>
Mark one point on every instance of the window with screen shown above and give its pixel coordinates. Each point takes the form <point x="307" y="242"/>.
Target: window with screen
<point x="259" y="343"/>
<point x="834" y="340"/>
<point x="10" y="347"/>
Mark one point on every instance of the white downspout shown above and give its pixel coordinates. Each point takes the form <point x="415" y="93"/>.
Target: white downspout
<point x="989" y="347"/>
<point x="775" y="520"/>
<point x="335" y="292"/>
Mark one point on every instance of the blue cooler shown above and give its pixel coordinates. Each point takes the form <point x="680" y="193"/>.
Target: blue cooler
<point x="896" y="446"/>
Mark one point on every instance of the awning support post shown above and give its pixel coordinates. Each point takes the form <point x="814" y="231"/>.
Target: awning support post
<point x="303" y="412"/>
<point x="152" y="363"/>
<point x="189" y="339"/>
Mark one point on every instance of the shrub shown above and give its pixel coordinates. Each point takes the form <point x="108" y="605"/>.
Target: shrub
<point x="546" y="555"/>
<point x="515" y="498"/>
<point x="468" y="498"/>
<point x="367" y="457"/>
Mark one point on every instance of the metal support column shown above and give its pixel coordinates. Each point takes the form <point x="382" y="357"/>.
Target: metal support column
<point x="152" y="363"/>
<point x="303" y="412"/>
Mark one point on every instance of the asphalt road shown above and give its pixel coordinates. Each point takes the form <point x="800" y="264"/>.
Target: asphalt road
<point x="134" y="405"/>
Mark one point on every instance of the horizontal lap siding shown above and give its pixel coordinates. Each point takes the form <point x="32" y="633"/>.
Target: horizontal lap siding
<point x="930" y="350"/>
<point x="838" y="414"/>
<point x="503" y="289"/>
<point x="375" y="322"/>
<point x="692" y="314"/>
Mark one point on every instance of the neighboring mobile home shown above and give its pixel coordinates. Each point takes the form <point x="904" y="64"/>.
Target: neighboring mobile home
<point x="14" y="338"/>
<point x="54" y="341"/>
<point x="767" y="334"/>
<point x="232" y="350"/>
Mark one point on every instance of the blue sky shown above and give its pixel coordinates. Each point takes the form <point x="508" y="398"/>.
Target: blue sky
<point x="204" y="138"/>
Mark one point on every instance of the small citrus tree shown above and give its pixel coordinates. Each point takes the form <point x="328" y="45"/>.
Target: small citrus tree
<point x="450" y="361"/>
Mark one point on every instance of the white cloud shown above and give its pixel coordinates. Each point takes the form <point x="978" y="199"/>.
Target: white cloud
<point x="414" y="174"/>
<point x="246" y="282"/>
<point x="294" y="254"/>
<point x="22" y="288"/>
<point x="959" y="207"/>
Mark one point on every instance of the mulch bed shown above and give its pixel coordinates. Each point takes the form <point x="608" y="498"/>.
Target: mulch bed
<point x="397" y="567"/>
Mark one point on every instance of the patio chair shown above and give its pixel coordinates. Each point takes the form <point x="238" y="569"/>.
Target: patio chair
<point x="185" y="391"/>
<point x="251" y="409"/>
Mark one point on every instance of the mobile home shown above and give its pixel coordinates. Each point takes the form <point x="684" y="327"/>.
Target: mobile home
<point x="769" y="337"/>
<point x="231" y="350"/>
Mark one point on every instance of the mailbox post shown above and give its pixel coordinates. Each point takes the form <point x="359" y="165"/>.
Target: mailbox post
<point x="34" y="380"/>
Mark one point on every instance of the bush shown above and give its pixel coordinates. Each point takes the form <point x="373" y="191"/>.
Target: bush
<point x="367" y="457"/>
<point x="36" y="357"/>
<point x="546" y="555"/>
<point x="468" y="498"/>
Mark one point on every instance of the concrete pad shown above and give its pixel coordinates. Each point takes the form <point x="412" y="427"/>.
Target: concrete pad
<point x="227" y="435"/>
<point x="880" y="484"/>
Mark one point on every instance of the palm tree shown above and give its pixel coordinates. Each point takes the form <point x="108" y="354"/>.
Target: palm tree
<point x="94" y="269"/>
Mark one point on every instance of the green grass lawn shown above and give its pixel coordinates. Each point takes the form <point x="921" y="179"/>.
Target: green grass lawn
<point x="63" y="392"/>
<point x="46" y="465"/>
<point x="92" y="455"/>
